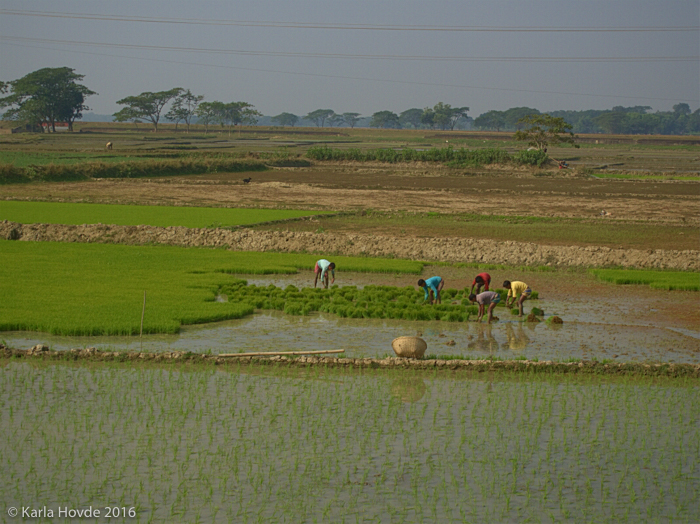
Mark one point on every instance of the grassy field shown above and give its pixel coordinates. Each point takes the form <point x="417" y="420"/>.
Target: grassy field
<point x="267" y="444"/>
<point x="545" y="230"/>
<point x="668" y="280"/>
<point x="87" y="289"/>
<point x="161" y="216"/>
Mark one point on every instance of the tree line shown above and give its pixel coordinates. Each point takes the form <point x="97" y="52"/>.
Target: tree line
<point x="635" y="120"/>
<point x="49" y="96"/>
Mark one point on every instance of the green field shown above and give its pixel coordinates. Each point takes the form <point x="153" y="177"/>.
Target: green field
<point x="133" y="215"/>
<point x="275" y="444"/>
<point x="668" y="280"/>
<point x="97" y="289"/>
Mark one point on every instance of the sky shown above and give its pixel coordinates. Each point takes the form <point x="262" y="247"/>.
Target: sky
<point x="366" y="56"/>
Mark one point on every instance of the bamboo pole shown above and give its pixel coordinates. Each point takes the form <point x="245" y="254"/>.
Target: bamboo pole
<point x="143" y="311"/>
<point x="278" y="353"/>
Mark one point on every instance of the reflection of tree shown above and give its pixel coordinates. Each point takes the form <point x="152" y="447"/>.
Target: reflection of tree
<point x="517" y="339"/>
<point x="408" y="389"/>
<point x="485" y="340"/>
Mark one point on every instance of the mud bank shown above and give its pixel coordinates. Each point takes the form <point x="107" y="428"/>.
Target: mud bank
<point x="42" y="352"/>
<point x="430" y="249"/>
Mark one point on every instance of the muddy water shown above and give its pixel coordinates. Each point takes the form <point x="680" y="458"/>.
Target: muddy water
<point x="604" y="322"/>
<point x="268" y="445"/>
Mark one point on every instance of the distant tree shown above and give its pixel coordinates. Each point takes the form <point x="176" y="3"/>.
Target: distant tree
<point x="514" y="116"/>
<point x="682" y="109"/>
<point x="237" y="113"/>
<point x="207" y="113"/>
<point x="385" y="119"/>
<point x="320" y="116"/>
<point x="46" y="96"/>
<point x="350" y="119"/>
<point x="286" y="119"/>
<point x="411" y="117"/>
<point x="491" y="120"/>
<point x="632" y="109"/>
<point x="146" y="106"/>
<point x="428" y="118"/>
<point x="184" y="108"/>
<point x="543" y="130"/>
<point x="612" y="122"/>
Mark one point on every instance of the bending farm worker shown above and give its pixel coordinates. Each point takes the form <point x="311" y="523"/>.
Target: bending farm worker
<point x="321" y="270"/>
<point x="487" y="298"/>
<point x="434" y="285"/>
<point x="517" y="290"/>
<point x="481" y="280"/>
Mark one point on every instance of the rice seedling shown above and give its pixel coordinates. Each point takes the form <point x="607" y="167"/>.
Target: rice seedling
<point x="669" y="280"/>
<point x="98" y="289"/>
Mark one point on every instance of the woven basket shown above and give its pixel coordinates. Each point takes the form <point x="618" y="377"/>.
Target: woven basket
<point x="409" y="347"/>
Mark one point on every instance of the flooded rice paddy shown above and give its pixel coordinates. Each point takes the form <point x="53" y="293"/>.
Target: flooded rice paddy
<point x="284" y="445"/>
<point x="621" y="325"/>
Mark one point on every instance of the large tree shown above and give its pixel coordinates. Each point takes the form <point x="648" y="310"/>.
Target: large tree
<point x="46" y="96"/>
<point x="286" y="119"/>
<point x="411" y="117"/>
<point x="146" y="106"/>
<point x="350" y="119"/>
<point x="237" y="113"/>
<point x="543" y="130"/>
<point x="207" y="113"/>
<point x="385" y="119"/>
<point x="320" y="116"/>
<point x="184" y="107"/>
<point x="491" y="120"/>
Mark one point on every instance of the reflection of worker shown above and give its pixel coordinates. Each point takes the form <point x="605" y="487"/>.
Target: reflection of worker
<point x="485" y="340"/>
<point x="517" y="290"/>
<point x="516" y="339"/>
<point x="487" y="299"/>
<point x="432" y="288"/>
<point x="321" y="270"/>
<point x="481" y="280"/>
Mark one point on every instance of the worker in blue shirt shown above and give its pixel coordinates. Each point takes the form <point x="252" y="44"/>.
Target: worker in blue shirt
<point x="432" y="288"/>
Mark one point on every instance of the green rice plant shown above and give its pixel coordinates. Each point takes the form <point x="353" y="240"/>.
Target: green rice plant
<point x="132" y="215"/>
<point x="667" y="280"/>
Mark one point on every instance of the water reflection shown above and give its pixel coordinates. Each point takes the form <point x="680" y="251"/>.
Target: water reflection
<point x="485" y="341"/>
<point x="408" y="389"/>
<point x="517" y="338"/>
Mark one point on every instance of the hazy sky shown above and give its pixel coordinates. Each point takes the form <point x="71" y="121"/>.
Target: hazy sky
<point x="366" y="56"/>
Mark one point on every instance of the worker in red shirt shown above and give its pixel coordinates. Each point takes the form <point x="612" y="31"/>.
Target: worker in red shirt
<point x="481" y="280"/>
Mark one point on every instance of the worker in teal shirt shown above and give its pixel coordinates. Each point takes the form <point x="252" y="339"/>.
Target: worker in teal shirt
<point x="432" y="285"/>
<point x="321" y="270"/>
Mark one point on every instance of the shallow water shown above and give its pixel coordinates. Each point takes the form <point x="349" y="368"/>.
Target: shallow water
<point x="604" y="328"/>
<point x="273" y="445"/>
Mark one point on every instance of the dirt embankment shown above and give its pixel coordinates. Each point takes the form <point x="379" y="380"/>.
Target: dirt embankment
<point x="436" y="249"/>
<point x="42" y="352"/>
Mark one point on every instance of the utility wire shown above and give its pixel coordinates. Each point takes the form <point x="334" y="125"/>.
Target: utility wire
<point x="364" y="79"/>
<point x="335" y="26"/>
<point x="286" y="54"/>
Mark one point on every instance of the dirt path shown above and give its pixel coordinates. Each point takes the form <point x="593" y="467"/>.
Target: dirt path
<point x="437" y="249"/>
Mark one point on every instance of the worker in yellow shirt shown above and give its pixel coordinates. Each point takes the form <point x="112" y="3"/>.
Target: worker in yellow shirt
<point x="519" y="291"/>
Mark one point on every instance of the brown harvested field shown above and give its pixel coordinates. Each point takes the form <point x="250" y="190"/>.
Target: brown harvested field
<point x="502" y="203"/>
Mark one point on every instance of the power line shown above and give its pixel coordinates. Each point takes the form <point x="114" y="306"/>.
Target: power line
<point x="363" y="79"/>
<point x="335" y="26"/>
<point x="286" y="54"/>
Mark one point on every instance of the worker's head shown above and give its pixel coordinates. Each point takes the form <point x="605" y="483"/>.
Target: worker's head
<point x="479" y="280"/>
<point x="506" y="284"/>
<point x="421" y="283"/>
<point x="331" y="265"/>
<point x="472" y="298"/>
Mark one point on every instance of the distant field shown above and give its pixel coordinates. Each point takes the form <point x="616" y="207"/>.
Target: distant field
<point x="544" y="230"/>
<point x="123" y="215"/>
<point x="656" y="279"/>
<point x="26" y="159"/>
<point x="97" y="289"/>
